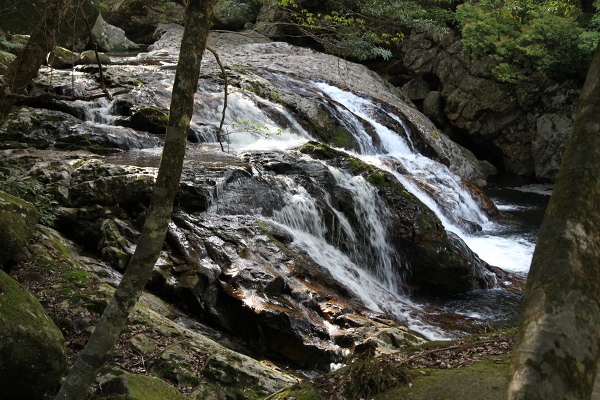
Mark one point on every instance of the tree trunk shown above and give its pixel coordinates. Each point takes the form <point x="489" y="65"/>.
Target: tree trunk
<point x="100" y="346"/>
<point x="25" y="67"/>
<point x="558" y="347"/>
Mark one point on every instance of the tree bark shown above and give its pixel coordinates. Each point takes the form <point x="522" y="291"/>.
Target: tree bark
<point x="25" y="67"/>
<point x="558" y="347"/>
<point x="100" y="346"/>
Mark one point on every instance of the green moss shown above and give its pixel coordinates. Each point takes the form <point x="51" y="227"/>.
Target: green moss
<point x="332" y="134"/>
<point x="305" y="391"/>
<point x="320" y="151"/>
<point x="79" y="279"/>
<point x="485" y="380"/>
<point x="377" y="179"/>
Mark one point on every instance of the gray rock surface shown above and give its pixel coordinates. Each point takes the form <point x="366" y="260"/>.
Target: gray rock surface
<point x="111" y="38"/>
<point x="511" y="119"/>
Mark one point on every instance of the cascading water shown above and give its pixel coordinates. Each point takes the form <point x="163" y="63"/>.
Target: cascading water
<point x="371" y="272"/>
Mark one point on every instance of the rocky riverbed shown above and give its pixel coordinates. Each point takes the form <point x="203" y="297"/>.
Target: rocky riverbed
<point x="241" y="302"/>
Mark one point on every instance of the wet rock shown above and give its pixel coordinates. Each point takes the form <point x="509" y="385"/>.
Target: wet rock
<point x="17" y="223"/>
<point x="32" y="348"/>
<point x="46" y="129"/>
<point x="150" y="120"/>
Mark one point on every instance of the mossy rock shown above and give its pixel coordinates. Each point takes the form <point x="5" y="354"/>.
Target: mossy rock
<point x="141" y="387"/>
<point x="5" y="60"/>
<point x="150" y="120"/>
<point x="60" y="57"/>
<point x="33" y="354"/>
<point x="17" y="223"/>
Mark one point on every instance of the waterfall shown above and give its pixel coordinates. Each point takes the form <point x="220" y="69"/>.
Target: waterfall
<point x="364" y="261"/>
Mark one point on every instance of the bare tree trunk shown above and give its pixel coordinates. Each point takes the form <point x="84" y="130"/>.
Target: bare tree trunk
<point x="100" y="346"/>
<point x="558" y="348"/>
<point x="25" y="67"/>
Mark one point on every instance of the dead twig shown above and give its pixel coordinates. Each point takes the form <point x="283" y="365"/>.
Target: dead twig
<point x="95" y="45"/>
<point x="219" y="135"/>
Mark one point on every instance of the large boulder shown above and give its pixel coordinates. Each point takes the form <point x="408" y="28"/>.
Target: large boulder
<point x="111" y="38"/>
<point x="139" y="18"/>
<point x="17" y="223"/>
<point x="234" y="14"/>
<point x="46" y="129"/>
<point x="32" y="348"/>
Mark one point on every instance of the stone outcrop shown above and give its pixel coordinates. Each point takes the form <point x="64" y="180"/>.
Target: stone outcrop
<point x="111" y="38"/>
<point x="521" y="127"/>
<point x="235" y="14"/>
<point x="32" y="348"/>
<point x="47" y="129"/>
<point x="17" y="223"/>
<point x="140" y="18"/>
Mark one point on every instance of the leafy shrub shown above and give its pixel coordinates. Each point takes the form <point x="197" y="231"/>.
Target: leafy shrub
<point x="526" y="36"/>
<point x="365" y="29"/>
<point x="32" y="191"/>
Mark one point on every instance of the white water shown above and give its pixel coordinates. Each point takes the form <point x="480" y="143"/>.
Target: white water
<point x="436" y="184"/>
<point x="430" y="181"/>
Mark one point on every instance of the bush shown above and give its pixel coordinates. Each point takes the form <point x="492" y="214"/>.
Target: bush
<point x="524" y="37"/>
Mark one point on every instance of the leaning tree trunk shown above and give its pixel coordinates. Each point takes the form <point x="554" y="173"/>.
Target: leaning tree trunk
<point x="25" y="67"/>
<point x="100" y="346"/>
<point x="558" y="348"/>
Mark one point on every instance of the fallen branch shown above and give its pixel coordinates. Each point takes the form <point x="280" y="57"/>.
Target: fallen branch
<point x="54" y="96"/>
<point x="95" y="45"/>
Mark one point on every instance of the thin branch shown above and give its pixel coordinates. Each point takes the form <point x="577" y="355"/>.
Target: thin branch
<point x="225" y="95"/>
<point x="95" y="45"/>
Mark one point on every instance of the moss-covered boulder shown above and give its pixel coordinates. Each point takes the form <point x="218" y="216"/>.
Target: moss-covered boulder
<point x="89" y="57"/>
<point x="142" y="387"/>
<point x="5" y="59"/>
<point x="60" y="57"/>
<point x="17" y="223"/>
<point x="32" y="348"/>
<point x="150" y="120"/>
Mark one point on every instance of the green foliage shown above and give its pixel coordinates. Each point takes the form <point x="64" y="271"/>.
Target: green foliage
<point x="32" y="191"/>
<point x="524" y="36"/>
<point x="365" y="29"/>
